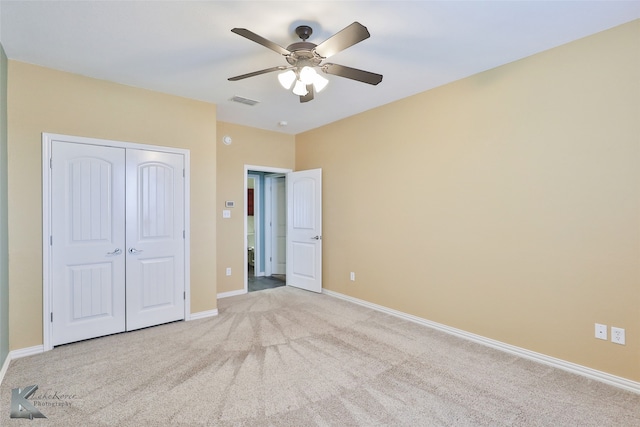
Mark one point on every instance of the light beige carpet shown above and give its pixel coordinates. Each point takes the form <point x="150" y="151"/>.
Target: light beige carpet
<point x="285" y="357"/>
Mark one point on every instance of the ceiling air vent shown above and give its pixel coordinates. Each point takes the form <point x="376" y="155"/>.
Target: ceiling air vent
<point x="245" y="101"/>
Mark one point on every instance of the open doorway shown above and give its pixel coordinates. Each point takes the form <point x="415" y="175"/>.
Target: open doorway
<point x="265" y="227"/>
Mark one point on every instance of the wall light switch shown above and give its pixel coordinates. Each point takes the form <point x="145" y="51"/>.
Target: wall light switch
<point x="226" y="213"/>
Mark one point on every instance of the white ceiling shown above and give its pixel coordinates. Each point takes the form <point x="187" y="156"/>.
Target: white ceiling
<point x="186" y="48"/>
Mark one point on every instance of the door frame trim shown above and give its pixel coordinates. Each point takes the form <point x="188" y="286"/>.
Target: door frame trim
<point x="255" y="168"/>
<point x="47" y="291"/>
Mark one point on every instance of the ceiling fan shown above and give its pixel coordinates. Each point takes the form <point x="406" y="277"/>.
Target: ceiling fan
<point x="303" y="57"/>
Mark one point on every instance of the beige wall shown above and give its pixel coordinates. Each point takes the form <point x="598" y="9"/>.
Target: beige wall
<point x="506" y="204"/>
<point x="45" y="100"/>
<point x="254" y="147"/>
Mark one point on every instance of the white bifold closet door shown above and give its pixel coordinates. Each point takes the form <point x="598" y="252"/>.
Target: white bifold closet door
<point x="117" y="217"/>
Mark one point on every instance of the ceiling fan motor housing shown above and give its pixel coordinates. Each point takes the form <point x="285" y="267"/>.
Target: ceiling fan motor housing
<point x="303" y="53"/>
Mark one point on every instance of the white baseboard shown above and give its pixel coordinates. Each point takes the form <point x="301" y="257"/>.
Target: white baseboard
<point x="5" y="366"/>
<point x="17" y="354"/>
<point x="203" y="314"/>
<point x="593" y="374"/>
<point x="24" y="352"/>
<point x="232" y="293"/>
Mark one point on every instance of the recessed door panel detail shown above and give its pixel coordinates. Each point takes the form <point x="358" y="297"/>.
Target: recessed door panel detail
<point x="157" y="282"/>
<point x="156" y="200"/>
<point x="303" y="204"/>
<point x="91" y="291"/>
<point x="303" y="260"/>
<point x="90" y="183"/>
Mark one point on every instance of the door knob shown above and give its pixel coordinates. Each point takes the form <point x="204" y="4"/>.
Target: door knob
<point x="116" y="252"/>
<point x="316" y="238"/>
<point x="134" y="251"/>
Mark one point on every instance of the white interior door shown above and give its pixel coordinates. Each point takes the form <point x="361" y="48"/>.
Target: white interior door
<point x="278" y="224"/>
<point x="88" y="262"/>
<point x="304" y="229"/>
<point x="155" y="238"/>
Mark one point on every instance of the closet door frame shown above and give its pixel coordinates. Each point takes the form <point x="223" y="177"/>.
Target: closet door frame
<point x="47" y="288"/>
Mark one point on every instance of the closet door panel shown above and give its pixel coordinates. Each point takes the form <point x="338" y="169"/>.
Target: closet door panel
<point x="155" y="238"/>
<point x="88" y="262"/>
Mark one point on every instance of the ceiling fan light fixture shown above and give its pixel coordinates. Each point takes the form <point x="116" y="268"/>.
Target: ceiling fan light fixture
<point x="287" y="78"/>
<point x="307" y="75"/>
<point x="319" y="82"/>
<point x="300" y="88"/>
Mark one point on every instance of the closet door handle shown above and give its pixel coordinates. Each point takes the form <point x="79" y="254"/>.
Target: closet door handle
<point x="118" y="251"/>
<point x="316" y="238"/>
<point x="134" y="251"/>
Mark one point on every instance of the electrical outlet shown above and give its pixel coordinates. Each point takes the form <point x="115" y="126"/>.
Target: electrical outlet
<point x="601" y="331"/>
<point x="229" y="274"/>
<point x="352" y="276"/>
<point x="617" y="335"/>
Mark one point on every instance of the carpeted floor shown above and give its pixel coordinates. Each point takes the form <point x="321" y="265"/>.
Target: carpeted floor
<point x="286" y="357"/>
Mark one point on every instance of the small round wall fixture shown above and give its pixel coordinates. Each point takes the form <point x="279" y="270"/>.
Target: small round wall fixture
<point x="226" y="140"/>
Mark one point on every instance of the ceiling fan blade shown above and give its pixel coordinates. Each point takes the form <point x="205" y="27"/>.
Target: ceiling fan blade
<point x="352" y="73"/>
<point x="309" y="96"/>
<point x="261" y="40"/>
<point x="343" y="39"/>
<point x="257" y="73"/>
